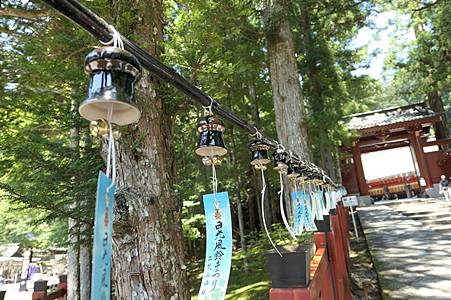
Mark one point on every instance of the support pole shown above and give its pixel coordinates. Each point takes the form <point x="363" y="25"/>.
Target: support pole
<point x="357" y="156"/>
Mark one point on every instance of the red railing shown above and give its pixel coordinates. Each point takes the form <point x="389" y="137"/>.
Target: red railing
<point x="329" y="267"/>
<point x="40" y="290"/>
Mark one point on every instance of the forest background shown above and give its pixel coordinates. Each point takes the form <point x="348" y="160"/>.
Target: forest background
<point x="49" y="161"/>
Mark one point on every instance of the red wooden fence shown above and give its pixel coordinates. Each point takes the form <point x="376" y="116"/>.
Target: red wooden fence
<point x="330" y="266"/>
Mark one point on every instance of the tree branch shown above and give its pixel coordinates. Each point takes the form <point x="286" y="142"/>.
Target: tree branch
<point x="22" y="13"/>
<point x="426" y="6"/>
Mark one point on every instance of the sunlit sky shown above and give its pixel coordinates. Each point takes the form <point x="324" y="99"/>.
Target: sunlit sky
<point x="387" y="29"/>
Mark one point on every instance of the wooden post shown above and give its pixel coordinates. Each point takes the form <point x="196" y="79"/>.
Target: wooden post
<point x="357" y="156"/>
<point x="39" y="290"/>
<point x="417" y="147"/>
<point x="320" y="284"/>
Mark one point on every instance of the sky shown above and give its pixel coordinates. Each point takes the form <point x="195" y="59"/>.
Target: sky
<point x="385" y="29"/>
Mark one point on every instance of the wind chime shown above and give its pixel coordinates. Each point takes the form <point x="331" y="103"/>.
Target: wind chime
<point x="113" y="74"/>
<point x="259" y="150"/>
<point x="218" y="256"/>
<point x="280" y="157"/>
<point x="300" y="199"/>
<point x="316" y="194"/>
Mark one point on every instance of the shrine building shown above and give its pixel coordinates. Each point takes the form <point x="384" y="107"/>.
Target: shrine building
<point x="403" y="126"/>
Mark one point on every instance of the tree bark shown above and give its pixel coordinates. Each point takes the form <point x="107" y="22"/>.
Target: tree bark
<point x="251" y="206"/>
<point x="73" y="253"/>
<point x="436" y="104"/>
<point x="73" y="248"/>
<point x="147" y="241"/>
<point x="238" y="197"/>
<point x="85" y="261"/>
<point x="286" y="89"/>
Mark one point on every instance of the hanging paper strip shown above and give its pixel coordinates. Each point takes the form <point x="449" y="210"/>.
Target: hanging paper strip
<point x="329" y="201"/>
<point x="101" y="268"/>
<point x="303" y="217"/>
<point x="335" y="197"/>
<point x="317" y="206"/>
<point x="299" y="212"/>
<point x="218" y="256"/>
<point x="309" y="220"/>
<point x="320" y="195"/>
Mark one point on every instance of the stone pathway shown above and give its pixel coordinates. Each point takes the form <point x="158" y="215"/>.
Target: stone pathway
<point x="410" y="242"/>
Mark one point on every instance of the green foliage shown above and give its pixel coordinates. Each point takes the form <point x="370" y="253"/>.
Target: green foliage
<point x="220" y="46"/>
<point x="45" y="176"/>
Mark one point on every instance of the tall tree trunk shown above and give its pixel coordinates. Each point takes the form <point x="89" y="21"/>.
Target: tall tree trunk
<point x="257" y="186"/>
<point x="147" y="241"/>
<point x="238" y="196"/>
<point x="73" y="253"/>
<point x="436" y="104"/>
<point x="86" y="231"/>
<point x="286" y="89"/>
<point x="85" y="261"/>
<point x="250" y="199"/>
<point x="273" y="203"/>
<point x="73" y="248"/>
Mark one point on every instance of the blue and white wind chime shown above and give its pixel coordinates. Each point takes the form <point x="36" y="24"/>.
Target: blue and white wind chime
<point x="113" y="74"/>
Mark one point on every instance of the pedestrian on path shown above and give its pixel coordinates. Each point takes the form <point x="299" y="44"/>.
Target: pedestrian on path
<point x="444" y="188"/>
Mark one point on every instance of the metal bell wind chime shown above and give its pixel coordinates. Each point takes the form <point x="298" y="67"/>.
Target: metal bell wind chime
<point x="259" y="150"/>
<point x="281" y="161"/>
<point x="110" y="103"/>
<point x="218" y="219"/>
<point x="211" y="145"/>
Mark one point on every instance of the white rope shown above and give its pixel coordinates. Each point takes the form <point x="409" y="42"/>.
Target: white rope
<point x="108" y="161"/>
<point x="111" y="159"/>
<point x="113" y="155"/>
<point x="282" y="209"/>
<point x="116" y="41"/>
<point x="257" y="133"/>
<point x="110" y="150"/>
<point x="295" y="187"/>
<point x="263" y="212"/>
<point x="214" y="182"/>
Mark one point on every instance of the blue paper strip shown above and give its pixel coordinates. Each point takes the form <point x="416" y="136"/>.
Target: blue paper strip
<point x="102" y="247"/>
<point x="303" y="217"/>
<point x="320" y="195"/>
<point x="299" y="213"/>
<point x="329" y="201"/>
<point x="309" y="220"/>
<point x="317" y="206"/>
<point x="218" y="256"/>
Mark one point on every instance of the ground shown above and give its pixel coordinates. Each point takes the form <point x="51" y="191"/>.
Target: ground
<point x="410" y="242"/>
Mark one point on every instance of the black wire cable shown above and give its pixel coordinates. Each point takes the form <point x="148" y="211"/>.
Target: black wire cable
<point x="100" y="29"/>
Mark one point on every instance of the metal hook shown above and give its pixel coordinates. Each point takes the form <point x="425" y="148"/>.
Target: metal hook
<point x="257" y="133"/>
<point x="279" y="145"/>
<point x="208" y="109"/>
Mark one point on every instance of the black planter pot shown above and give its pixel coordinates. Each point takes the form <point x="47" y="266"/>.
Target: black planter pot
<point x="323" y="225"/>
<point x="40" y="285"/>
<point x="291" y="270"/>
